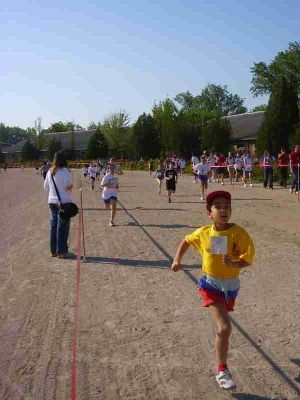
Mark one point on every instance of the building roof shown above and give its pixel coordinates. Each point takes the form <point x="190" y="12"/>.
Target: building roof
<point x="15" y="148"/>
<point x="81" y="138"/>
<point x="245" y="126"/>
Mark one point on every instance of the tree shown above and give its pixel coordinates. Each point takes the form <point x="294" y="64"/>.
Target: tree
<point x="281" y="118"/>
<point x="214" y="98"/>
<point x="115" y="127"/>
<point x="216" y="134"/>
<point x="53" y="147"/>
<point x="29" y="151"/>
<point x="164" y="115"/>
<point x="97" y="146"/>
<point x="144" y="139"/>
<point x="285" y="65"/>
<point x="2" y="157"/>
<point x="262" y="107"/>
<point x="93" y="125"/>
<point x="12" y="134"/>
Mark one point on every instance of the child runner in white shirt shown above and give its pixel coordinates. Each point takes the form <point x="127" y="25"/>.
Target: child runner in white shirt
<point x="212" y="162"/>
<point x="230" y="166"/>
<point x="238" y="164"/>
<point x="85" y="171"/>
<point x="110" y="183"/>
<point x="202" y="171"/>
<point x="248" y="166"/>
<point x="92" y="174"/>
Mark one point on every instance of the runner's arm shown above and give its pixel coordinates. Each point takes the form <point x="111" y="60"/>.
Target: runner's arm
<point x="182" y="249"/>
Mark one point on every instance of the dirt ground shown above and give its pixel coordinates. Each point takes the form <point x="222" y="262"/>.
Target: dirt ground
<point x="143" y="333"/>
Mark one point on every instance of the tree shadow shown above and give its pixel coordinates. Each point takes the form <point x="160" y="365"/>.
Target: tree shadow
<point x="171" y="226"/>
<point x="160" y="264"/>
<point x="246" y="396"/>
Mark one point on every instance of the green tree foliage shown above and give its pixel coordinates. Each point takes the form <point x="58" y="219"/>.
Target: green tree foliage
<point x="262" y="107"/>
<point x="144" y="137"/>
<point x="29" y="151"/>
<point x="295" y="138"/>
<point x="216" y="134"/>
<point x="286" y="65"/>
<point x="116" y="129"/>
<point x="12" y="134"/>
<point x="2" y="157"/>
<point x="281" y="118"/>
<point x="97" y="146"/>
<point x="64" y="127"/>
<point x="165" y="121"/>
<point x="94" y="125"/>
<point x="53" y="147"/>
<point x="213" y="98"/>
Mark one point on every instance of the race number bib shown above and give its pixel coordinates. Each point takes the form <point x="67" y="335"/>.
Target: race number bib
<point x="218" y="245"/>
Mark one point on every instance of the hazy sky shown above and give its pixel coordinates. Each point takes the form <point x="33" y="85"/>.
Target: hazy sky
<point x="81" y="60"/>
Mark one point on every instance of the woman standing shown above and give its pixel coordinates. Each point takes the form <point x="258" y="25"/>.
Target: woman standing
<point x="59" y="227"/>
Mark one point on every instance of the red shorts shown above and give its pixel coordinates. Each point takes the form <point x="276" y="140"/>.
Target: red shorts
<point x="210" y="297"/>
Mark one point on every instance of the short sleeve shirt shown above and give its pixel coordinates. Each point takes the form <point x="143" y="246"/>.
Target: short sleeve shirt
<point x="239" y="245"/>
<point x="109" y="191"/>
<point x="295" y="157"/>
<point x="171" y="174"/>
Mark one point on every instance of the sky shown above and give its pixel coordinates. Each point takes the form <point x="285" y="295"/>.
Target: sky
<point x="82" y="60"/>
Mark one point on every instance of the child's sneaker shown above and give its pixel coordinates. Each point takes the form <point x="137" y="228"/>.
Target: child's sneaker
<point x="245" y="185"/>
<point x="111" y="223"/>
<point x="225" y="380"/>
<point x="251" y="185"/>
<point x="201" y="197"/>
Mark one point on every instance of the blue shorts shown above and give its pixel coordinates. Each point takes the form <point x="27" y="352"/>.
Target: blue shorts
<point x="107" y="201"/>
<point x="203" y="178"/>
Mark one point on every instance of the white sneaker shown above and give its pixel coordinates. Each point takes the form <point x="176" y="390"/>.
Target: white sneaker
<point x="225" y="380"/>
<point x="291" y="190"/>
<point x="111" y="223"/>
<point x="222" y="183"/>
<point x="201" y="198"/>
<point x="296" y="192"/>
<point x="195" y="182"/>
<point x="245" y="185"/>
<point x="251" y="185"/>
<point x="213" y="181"/>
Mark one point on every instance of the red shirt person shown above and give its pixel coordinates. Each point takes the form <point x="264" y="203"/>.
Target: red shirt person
<point x="294" y="165"/>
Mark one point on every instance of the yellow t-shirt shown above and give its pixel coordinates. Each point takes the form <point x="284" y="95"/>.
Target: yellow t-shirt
<point x="239" y="245"/>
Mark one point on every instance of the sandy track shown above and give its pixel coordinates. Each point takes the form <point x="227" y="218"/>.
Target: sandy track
<point x="142" y="331"/>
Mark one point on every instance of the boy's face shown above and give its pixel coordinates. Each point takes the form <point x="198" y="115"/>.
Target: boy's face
<point x="220" y="211"/>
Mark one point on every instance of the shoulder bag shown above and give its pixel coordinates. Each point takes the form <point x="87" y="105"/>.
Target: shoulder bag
<point x="66" y="210"/>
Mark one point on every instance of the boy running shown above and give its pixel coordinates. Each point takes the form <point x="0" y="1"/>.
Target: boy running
<point x="225" y="249"/>
<point x="171" y="179"/>
<point x="92" y="170"/>
<point x="248" y="166"/>
<point x="110" y="183"/>
<point x="238" y="164"/>
<point x="202" y="170"/>
<point x="230" y="166"/>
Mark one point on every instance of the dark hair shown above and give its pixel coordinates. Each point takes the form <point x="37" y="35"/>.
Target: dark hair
<point x="59" y="161"/>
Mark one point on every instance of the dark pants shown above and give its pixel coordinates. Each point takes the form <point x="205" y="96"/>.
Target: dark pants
<point x="59" y="231"/>
<point x="283" y="176"/>
<point x="295" y="183"/>
<point x="268" y="177"/>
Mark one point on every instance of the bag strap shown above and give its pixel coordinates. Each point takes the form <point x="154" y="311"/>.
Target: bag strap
<point x="56" y="188"/>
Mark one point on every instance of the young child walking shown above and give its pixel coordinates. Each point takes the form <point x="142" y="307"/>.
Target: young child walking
<point x="225" y="249"/>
